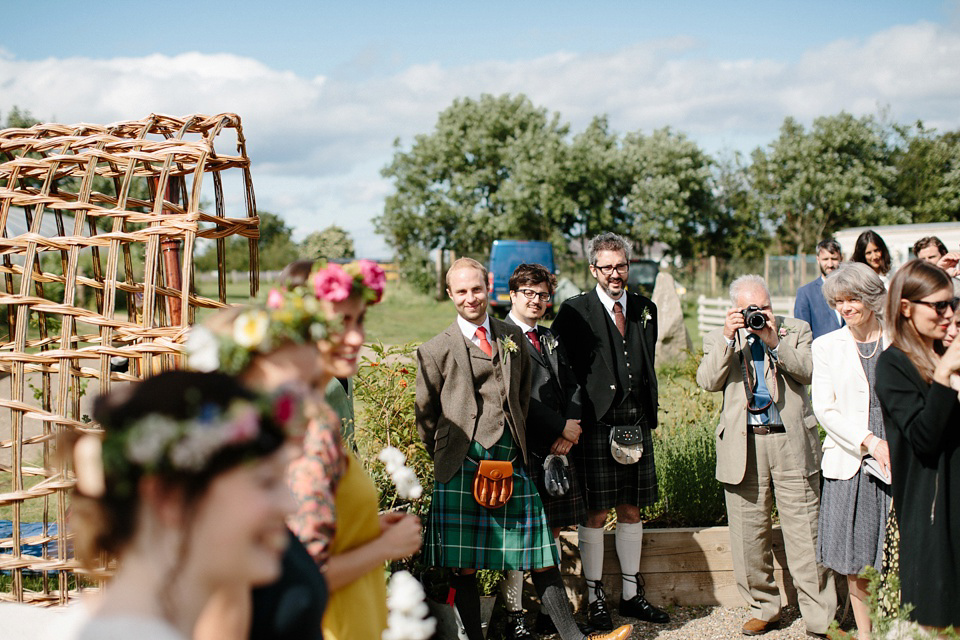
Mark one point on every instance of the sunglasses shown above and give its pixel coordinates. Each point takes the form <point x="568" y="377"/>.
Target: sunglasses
<point x="940" y="306"/>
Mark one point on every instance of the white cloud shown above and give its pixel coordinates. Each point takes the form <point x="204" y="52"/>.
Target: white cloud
<point x="318" y="143"/>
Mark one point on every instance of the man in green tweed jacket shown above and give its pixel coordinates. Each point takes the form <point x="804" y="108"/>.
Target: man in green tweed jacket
<point x="473" y="391"/>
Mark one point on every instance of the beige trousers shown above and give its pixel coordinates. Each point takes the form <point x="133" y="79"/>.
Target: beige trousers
<point x="772" y="469"/>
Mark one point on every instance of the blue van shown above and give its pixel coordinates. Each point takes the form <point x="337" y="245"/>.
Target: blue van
<point x="507" y="255"/>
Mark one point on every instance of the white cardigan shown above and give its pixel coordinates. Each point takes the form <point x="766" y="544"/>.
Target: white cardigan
<point x="841" y="402"/>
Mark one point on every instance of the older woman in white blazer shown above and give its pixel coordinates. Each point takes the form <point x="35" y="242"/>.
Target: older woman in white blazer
<point x="855" y="501"/>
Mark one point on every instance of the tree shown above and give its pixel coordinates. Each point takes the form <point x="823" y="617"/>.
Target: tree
<point x="745" y="233"/>
<point x="332" y="243"/>
<point x="927" y="183"/>
<point x="276" y="247"/>
<point x="671" y="199"/>
<point x="489" y="169"/>
<point x="836" y="175"/>
<point x="18" y="119"/>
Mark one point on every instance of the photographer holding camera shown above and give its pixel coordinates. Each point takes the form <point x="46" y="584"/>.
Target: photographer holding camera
<point x="767" y="444"/>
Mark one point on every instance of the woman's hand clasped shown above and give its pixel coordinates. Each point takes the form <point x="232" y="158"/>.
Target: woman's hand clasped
<point x="400" y="534"/>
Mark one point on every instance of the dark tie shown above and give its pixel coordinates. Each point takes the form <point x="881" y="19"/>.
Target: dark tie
<point x="534" y="339"/>
<point x="619" y="319"/>
<point x="761" y="395"/>
<point x="484" y="343"/>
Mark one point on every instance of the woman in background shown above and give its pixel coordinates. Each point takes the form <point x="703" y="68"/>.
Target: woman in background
<point x="921" y="413"/>
<point x="187" y="490"/>
<point x="872" y="251"/>
<point x="854" y="504"/>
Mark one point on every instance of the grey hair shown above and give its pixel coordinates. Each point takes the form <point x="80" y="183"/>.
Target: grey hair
<point x="608" y="242"/>
<point x="857" y="281"/>
<point x="747" y="282"/>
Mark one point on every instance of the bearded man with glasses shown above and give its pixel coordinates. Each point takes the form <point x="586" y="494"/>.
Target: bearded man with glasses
<point x="611" y="336"/>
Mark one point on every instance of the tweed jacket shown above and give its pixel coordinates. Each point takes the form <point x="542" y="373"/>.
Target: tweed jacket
<point x="447" y="410"/>
<point x="554" y="391"/>
<point x="720" y="371"/>
<point x="581" y="324"/>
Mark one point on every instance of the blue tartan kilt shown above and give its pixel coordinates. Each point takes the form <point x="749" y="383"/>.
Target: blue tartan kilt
<point x="605" y="482"/>
<point x="462" y="534"/>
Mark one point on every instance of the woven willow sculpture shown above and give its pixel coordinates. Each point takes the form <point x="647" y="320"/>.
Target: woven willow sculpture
<point x="96" y="257"/>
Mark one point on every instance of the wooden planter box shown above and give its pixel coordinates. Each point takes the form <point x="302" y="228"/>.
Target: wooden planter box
<point x="690" y="566"/>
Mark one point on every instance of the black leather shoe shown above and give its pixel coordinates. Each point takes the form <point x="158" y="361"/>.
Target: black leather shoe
<point x="598" y="616"/>
<point x="516" y="627"/>
<point x="638" y="607"/>
<point x="545" y="625"/>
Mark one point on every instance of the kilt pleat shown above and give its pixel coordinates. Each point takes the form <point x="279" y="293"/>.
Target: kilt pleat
<point x="462" y="534"/>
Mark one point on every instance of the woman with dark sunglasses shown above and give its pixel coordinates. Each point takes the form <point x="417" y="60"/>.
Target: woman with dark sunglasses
<point x="922" y="417"/>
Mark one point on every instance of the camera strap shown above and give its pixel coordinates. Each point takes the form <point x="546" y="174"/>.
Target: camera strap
<point x="747" y="385"/>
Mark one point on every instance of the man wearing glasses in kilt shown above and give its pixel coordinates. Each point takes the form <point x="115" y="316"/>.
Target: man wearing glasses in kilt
<point x="473" y="392"/>
<point x="553" y="425"/>
<point x="611" y="336"/>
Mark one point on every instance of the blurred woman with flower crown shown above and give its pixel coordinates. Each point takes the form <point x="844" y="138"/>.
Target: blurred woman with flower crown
<point x="353" y="547"/>
<point x="187" y="490"/>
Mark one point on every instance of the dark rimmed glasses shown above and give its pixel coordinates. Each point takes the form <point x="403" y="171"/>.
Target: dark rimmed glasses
<point x="940" y="306"/>
<point x="530" y="294"/>
<point x="607" y="269"/>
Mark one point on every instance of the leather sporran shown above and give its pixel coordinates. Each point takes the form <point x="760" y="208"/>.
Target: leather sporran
<point x="493" y="483"/>
<point x="626" y="443"/>
<point x="556" y="475"/>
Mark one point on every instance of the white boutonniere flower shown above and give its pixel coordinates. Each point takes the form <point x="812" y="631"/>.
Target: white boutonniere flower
<point x="645" y="316"/>
<point x="507" y="345"/>
<point x="550" y="344"/>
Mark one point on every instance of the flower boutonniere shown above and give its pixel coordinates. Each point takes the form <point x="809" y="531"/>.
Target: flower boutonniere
<point x="507" y="345"/>
<point x="784" y="331"/>
<point x="645" y="316"/>
<point x="549" y="343"/>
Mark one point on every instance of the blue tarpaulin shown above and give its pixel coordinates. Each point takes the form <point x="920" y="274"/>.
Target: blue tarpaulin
<point x="28" y="530"/>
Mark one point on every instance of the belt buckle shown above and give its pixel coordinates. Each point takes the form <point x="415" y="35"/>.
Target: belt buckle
<point x="761" y="430"/>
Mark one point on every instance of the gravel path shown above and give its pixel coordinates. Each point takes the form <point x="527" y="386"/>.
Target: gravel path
<point x="713" y="622"/>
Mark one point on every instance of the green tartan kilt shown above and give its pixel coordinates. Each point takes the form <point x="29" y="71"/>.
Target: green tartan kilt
<point x="462" y="534"/>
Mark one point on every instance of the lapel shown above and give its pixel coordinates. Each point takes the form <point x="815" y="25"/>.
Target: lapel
<point x="769" y="366"/>
<point x="853" y="352"/>
<point x="599" y="328"/>
<point x="501" y="358"/>
<point x="829" y="315"/>
<point x="635" y="323"/>
<point x="536" y="355"/>
<point x="549" y="353"/>
<point x="458" y="347"/>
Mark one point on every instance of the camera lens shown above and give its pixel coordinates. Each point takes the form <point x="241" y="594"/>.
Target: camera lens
<point x="756" y="320"/>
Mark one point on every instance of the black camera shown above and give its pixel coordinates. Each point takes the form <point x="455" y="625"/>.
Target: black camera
<point x="754" y="317"/>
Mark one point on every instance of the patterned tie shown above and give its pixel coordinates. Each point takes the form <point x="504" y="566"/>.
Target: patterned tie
<point x="761" y="395"/>
<point x="534" y="339"/>
<point x="484" y="343"/>
<point x="619" y="319"/>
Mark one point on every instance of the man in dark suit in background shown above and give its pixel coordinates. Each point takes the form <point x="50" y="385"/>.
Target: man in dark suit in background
<point x="810" y="305"/>
<point x="611" y="336"/>
<point x="553" y="419"/>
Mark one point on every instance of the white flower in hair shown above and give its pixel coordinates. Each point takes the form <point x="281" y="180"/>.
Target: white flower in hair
<point x="150" y="438"/>
<point x="250" y="328"/>
<point x="408" y="613"/>
<point x="203" y="350"/>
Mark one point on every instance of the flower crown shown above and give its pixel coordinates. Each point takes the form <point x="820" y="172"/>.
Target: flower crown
<point x="157" y="443"/>
<point x="335" y="282"/>
<point x="289" y="315"/>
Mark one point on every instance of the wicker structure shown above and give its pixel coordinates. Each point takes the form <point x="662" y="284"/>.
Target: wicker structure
<point x="96" y="261"/>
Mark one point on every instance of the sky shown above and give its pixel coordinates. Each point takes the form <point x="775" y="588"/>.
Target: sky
<point x="324" y="89"/>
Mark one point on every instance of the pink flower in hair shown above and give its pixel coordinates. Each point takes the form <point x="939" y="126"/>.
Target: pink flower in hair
<point x="332" y="283"/>
<point x="274" y="299"/>
<point x="373" y="278"/>
<point x="283" y="408"/>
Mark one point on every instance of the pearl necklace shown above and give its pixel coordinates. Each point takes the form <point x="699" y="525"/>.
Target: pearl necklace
<point x="875" y="346"/>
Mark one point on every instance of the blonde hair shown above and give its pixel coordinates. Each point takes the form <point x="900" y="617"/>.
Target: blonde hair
<point x="914" y="281"/>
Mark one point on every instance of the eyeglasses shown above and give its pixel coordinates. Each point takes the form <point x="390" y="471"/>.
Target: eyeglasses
<point x="530" y="294"/>
<point x="607" y="269"/>
<point x="940" y="306"/>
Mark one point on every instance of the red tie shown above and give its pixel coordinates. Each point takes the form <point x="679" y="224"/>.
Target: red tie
<point x="619" y="319"/>
<point x="484" y="343"/>
<point x="535" y="340"/>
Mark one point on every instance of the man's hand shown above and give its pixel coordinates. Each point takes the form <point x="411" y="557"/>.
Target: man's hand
<point x="733" y="322"/>
<point x="572" y="431"/>
<point x="561" y="447"/>
<point x="769" y="332"/>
